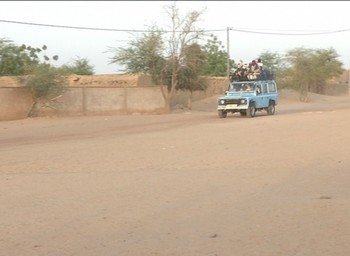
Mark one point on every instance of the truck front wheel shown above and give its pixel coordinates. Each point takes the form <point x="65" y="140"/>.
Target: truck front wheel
<point x="222" y="114"/>
<point x="251" y="110"/>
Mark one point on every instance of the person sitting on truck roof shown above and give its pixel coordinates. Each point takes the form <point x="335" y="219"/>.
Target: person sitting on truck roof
<point x="260" y="64"/>
<point x="264" y="74"/>
<point x="240" y="73"/>
<point x="253" y="70"/>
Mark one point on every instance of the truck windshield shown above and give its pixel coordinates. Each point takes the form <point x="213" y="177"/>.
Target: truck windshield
<point x="248" y="87"/>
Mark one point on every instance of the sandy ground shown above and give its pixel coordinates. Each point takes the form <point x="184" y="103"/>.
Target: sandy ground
<point x="186" y="183"/>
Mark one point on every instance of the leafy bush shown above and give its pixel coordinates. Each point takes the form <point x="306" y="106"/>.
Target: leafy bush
<point x="44" y="83"/>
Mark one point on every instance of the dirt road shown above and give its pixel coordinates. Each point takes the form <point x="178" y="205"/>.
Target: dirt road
<point x="186" y="183"/>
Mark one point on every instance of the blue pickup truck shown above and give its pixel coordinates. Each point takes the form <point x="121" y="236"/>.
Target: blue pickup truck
<point x="248" y="97"/>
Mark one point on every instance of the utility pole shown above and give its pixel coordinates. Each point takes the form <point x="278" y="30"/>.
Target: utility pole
<point x="228" y="53"/>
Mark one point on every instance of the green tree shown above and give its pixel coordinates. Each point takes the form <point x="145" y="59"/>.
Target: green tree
<point x="275" y="63"/>
<point x="144" y="55"/>
<point x="311" y="68"/>
<point x="20" y="60"/>
<point x="33" y="70"/>
<point x="80" y="66"/>
<point x="148" y="54"/>
<point x="189" y="79"/>
<point x="44" y="84"/>
<point x="216" y="64"/>
<point x="183" y="32"/>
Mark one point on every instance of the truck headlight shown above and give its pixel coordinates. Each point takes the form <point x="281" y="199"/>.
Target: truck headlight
<point x="222" y="102"/>
<point x="243" y="101"/>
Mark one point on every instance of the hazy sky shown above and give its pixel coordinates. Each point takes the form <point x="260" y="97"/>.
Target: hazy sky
<point x="274" y="17"/>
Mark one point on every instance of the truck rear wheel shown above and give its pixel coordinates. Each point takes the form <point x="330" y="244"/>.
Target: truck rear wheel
<point x="271" y="109"/>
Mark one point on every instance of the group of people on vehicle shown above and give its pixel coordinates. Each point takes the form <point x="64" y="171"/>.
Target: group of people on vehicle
<point x="252" y="71"/>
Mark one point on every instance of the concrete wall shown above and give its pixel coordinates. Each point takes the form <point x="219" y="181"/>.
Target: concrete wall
<point x="14" y="103"/>
<point x="99" y="95"/>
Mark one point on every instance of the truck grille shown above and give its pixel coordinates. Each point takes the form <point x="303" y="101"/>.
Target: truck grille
<point x="232" y="101"/>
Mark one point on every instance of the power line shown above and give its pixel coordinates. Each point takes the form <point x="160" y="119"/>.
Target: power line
<point x="98" y="29"/>
<point x="70" y="27"/>
<point x="254" y="31"/>
<point x="290" y="34"/>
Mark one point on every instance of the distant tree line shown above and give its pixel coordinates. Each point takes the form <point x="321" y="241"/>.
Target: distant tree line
<point x="304" y="69"/>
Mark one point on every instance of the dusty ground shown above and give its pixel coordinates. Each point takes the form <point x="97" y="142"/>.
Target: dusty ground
<point x="186" y="183"/>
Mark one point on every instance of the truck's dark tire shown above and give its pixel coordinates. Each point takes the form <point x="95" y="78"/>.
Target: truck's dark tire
<point x="251" y="110"/>
<point x="222" y="113"/>
<point x="271" y="109"/>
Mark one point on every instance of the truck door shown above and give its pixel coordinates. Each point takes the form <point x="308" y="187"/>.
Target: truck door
<point x="272" y="91"/>
<point x="262" y="100"/>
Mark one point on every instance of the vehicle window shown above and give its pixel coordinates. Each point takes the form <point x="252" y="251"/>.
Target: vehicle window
<point x="264" y="88"/>
<point x="232" y="87"/>
<point x="272" y="87"/>
<point x="237" y="87"/>
<point x="241" y="87"/>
